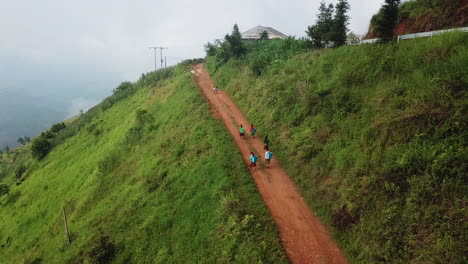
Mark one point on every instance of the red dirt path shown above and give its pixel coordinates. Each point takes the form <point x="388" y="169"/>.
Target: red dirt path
<point x="303" y="236"/>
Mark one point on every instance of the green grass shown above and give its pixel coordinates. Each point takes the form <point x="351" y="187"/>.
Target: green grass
<point x="149" y="178"/>
<point x="376" y="138"/>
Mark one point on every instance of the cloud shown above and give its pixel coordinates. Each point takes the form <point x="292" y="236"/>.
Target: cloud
<point x="79" y="104"/>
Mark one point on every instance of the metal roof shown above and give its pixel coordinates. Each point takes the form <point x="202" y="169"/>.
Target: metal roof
<point x="255" y="33"/>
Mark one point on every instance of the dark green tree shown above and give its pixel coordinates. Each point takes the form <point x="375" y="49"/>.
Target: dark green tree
<point x="210" y="49"/>
<point x="21" y="140"/>
<point x="340" y="23"/>
<point x="387" y="20"/>
<point x="264" y="35"/>
<point x="40" y="147"/>
<point x="57" y="127"/>
<point x="321" y="32"/>
<point x="236" y="47"/>
<point x="47" y="134"/>
<point x="6" y="149"/>
<point x="123" y="87"/>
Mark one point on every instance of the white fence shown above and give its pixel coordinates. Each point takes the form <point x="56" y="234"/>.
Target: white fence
<point x="416" y="35"/>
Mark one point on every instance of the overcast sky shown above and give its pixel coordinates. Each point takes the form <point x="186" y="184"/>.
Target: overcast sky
<point x="75" y="52"/>
<point x="115" y="34"/>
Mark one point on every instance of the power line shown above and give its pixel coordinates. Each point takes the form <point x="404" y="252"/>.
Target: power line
<point x="160" y="51"/>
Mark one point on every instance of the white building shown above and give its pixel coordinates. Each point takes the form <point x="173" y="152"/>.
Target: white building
<point x="256" y="32"/>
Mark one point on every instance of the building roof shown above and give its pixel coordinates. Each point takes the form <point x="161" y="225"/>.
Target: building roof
<point x="255" y="33"/>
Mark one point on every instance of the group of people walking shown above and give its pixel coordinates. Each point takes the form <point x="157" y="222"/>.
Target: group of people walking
<point x="252" y="158"/>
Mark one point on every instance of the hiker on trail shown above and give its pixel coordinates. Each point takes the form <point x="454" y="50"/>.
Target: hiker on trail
<point x="268" y="156"/>
<point x="253" y="161"/>
<point x="241" y="132"/>
<point x="267" y="143"/>
<point x="215" y="89"/>
<point x="253" y="130"/>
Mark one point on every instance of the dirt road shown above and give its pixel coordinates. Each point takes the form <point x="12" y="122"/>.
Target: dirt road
<point x="302" y="235"/>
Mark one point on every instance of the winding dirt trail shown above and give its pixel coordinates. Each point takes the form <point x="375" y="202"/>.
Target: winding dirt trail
<point x="303" y="236"/>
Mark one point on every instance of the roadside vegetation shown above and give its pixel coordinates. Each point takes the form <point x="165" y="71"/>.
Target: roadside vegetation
<point x="375" y="136"/>
<point x="147" y="176"/>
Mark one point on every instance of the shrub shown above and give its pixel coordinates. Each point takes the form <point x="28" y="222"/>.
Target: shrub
<point x="102" y="251"/>
<point x="40" y="147"/>
<point x="4" y="189"/>
<point x="57" y="127"/>
<point x="20" y="171"/>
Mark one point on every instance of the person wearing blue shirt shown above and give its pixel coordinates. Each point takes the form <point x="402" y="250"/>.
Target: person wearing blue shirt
<point x="253" y="161"/>
<point x="268" y="156"/>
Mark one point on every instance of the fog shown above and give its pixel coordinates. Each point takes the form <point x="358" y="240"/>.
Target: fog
<point x="58" y="57"/>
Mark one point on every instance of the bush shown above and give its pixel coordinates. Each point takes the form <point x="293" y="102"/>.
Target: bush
<point x="103" y="251"/>
<point x="4" y="189"/>
<point x="40" y="147"/>
<point x="57" y="127"/>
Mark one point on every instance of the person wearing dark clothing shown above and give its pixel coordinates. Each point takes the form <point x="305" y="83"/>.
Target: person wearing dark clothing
<point x="267" y="143"/>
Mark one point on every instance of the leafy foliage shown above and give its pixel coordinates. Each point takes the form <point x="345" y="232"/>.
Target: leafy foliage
<point x="210" y="49"/>
<point x="57" y="127"/>
<point x="340" y="23"/>
<point x="321" y="33"/>
<point x="4" y="189"/>
<point x="231" y="47"/>
<point x="387" y="20"/>
<point x="264" y="35"/>
<point x="40" y="147"/>
<point x="234" y="42"/>
<point x="330" y="28"/>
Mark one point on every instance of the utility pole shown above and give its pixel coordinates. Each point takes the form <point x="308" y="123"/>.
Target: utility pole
<point x="160" y="52"/>
<point x="161" y="49"/>
<point x="155" y="61"/>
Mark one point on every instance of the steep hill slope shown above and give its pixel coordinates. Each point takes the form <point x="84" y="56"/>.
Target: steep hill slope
<point x="147" y="176"/>
<point x="376" y="137"/>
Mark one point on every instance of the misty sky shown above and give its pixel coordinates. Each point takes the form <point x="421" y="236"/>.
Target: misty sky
<point x="60" y="56"/>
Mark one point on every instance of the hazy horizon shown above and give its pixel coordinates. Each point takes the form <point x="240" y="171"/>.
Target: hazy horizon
<point x="57" y="58"/>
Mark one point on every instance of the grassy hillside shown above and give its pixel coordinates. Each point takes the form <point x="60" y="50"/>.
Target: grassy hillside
<point x="376" y="138"/>
<point x="147" y="176"/>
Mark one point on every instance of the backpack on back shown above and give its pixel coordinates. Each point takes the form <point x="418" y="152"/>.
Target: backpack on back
<point x="254" y="159"/>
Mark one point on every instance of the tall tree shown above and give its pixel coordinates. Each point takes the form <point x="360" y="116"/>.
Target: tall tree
<point x="340" y="23"/>
<point x="235" y="42"/>
<point x="387" y="21"/>
<point x="321" y="32"/>
<point x="264" y="35"/>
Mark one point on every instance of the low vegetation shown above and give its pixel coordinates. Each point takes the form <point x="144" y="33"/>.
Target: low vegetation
<point x="375" y="136"/>
<point x="147" y="176"/>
